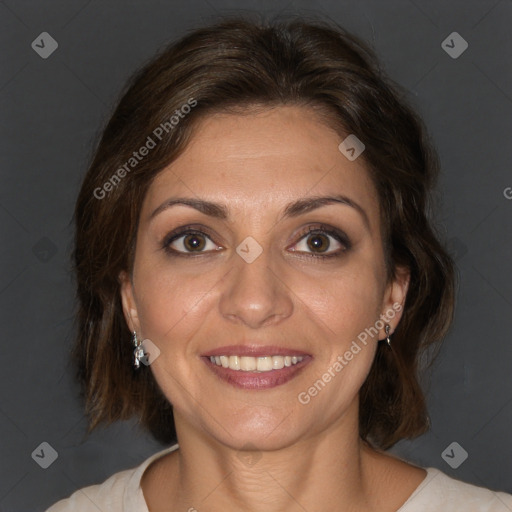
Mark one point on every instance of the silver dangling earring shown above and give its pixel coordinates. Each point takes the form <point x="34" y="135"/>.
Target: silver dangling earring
<point x="388" y="340"/>
<point x="138" y="351"/>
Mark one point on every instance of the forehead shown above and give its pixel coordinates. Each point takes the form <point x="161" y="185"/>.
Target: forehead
<point x="263" y="160"/>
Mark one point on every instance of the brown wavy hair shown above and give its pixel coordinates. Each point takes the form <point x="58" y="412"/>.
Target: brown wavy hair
<point x="234" y="64"/>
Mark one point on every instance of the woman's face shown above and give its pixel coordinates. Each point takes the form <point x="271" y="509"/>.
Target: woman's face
<point x="254" y="277"/>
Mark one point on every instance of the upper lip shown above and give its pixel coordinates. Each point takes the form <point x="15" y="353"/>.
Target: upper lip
<point x="254" y="351"/>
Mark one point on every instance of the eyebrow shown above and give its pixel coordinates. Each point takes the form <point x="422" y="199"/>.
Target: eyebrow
<point x="294" y="209"/>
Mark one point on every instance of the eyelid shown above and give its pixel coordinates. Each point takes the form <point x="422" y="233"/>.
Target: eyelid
<point x="201" y="230"/>
<point x="182" y="231"/>
<point x="332" y="232"/>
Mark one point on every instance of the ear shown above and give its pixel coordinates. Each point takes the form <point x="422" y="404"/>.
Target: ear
<point x="394" y="300"/>
<point x="128" y="299"/>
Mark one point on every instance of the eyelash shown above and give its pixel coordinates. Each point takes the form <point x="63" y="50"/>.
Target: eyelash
<point x="339" y="236"/>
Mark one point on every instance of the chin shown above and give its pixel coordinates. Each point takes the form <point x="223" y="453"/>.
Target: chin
<point x="264" y="431"/>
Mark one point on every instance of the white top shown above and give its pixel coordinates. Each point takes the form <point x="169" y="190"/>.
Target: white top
<point x="437" y="493"/>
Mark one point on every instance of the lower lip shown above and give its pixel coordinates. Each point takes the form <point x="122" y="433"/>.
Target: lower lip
<point x="254" y="380"/>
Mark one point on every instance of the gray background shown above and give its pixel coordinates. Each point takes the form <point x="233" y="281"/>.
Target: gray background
<point x="52" y="110"/>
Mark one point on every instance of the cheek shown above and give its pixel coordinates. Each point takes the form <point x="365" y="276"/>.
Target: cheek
<point x="345" y="309"/>
<point x="346" y="302"/>
<point x="173" y="310"/>
<point x="172" y="304"/>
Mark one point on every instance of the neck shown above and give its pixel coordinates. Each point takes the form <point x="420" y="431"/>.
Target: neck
<point x="214" y="477"/>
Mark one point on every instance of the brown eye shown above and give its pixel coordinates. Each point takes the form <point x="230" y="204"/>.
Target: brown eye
<point x="317" y="242"/>
<point x="194" y="242"/>
<point x="189" y="241"/>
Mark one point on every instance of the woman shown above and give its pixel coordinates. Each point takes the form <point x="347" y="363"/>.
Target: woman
<point x="253" y="246"/>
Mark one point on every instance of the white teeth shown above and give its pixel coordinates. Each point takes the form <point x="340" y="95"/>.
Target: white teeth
<point x="255" y="364"/>
<point x="264" y="364"/>
<point x="234" y="362"/>
<point x="277" y="362"/>
<point x="248" y="364"/>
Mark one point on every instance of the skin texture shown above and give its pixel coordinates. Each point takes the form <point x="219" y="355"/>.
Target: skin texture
<point x="305" y="456"/>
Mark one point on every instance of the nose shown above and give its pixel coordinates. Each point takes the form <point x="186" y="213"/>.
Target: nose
<point x="255" y="293"/>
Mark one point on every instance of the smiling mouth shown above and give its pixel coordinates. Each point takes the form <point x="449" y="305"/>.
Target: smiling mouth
<point x="256" y="373"/>
<point x="255" y="364"/>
